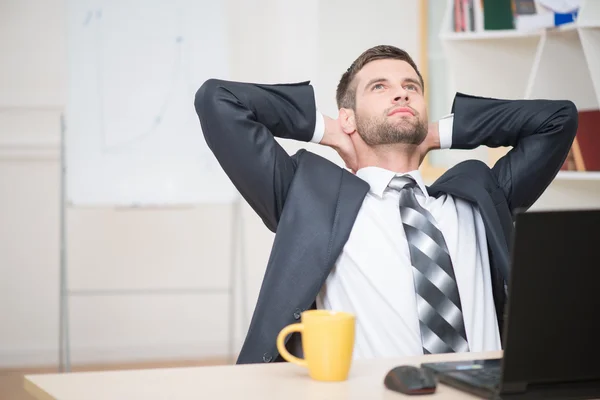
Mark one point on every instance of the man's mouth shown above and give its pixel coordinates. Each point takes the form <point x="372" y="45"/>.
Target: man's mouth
<point x="401" y="110"/>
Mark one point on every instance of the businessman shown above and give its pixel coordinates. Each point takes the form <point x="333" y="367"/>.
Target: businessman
<point x="424" y="269"/>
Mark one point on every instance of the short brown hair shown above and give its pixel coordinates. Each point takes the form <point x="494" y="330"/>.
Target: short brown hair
<point x="346" y="91"/>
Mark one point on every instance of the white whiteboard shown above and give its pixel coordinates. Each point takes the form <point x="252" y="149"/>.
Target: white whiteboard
<point x="132" y="135"/>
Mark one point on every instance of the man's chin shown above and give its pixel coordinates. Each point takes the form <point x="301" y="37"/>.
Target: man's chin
<point x="409" y="135"/>
<point x="404" y="123"/>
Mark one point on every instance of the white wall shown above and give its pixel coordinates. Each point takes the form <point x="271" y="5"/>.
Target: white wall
<point x="172" y="248"/>
<point x="32" y="92"/>
<point x="168" y="248"/>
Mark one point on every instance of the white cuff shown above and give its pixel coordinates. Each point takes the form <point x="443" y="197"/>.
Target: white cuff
<point x="445" y="131"/>
<point x="319" y="129"/>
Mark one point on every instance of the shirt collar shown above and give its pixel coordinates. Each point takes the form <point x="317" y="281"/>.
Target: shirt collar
<point x="379" y="178"/>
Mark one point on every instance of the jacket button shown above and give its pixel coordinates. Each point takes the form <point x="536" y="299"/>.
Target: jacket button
<point x="297" y="313"/>
<point x="267" y="357"/>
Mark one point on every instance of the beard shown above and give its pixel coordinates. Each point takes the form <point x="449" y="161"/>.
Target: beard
<point x="376" y="131"/>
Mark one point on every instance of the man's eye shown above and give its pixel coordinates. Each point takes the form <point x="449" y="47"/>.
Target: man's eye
<point x="412" y="87"/>
<point x="377" y="86"/>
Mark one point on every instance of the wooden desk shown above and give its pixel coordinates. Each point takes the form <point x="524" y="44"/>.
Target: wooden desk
<point x="249" y="382"/>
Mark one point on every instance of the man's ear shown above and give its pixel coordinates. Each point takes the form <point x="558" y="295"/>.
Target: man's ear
<point x="347" y="120"/>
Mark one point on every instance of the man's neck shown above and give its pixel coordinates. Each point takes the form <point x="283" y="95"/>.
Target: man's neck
<point x="399" y="158"/>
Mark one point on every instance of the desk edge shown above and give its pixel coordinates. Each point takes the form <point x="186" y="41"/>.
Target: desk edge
<point x="35" y="390"/>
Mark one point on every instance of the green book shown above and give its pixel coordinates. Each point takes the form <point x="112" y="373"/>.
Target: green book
<point x="497" y="14"/>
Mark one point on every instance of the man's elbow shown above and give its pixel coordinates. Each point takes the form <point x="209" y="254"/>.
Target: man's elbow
<point x="205" y="97"/>
<point x="571" y="117"/>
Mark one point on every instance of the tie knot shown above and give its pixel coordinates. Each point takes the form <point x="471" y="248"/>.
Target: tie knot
<point x="402" y="182"/>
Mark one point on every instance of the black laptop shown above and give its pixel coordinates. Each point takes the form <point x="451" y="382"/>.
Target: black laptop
<point x="551" y="338"/>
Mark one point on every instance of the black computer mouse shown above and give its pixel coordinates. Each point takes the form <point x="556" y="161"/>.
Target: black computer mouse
<point x="411" y="380"/>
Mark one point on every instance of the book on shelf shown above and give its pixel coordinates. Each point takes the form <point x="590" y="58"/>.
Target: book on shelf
<point x="520" y="15"/>
<point x="542" y="14"/>
<point x="585" y="152"/>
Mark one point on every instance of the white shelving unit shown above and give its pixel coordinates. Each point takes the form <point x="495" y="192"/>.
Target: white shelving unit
<point x="515" y="65"/>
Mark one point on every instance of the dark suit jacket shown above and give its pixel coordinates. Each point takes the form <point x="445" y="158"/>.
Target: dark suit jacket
<point x="311" y="203"/>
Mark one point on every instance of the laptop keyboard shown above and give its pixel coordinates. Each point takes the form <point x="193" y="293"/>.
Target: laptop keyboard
<point x="489" y="376"/>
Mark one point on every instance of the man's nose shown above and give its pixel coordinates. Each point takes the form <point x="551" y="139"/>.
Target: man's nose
<point x="401" y="96"/>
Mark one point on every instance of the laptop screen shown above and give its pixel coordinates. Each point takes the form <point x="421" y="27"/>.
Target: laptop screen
<point x="552" y="333"/>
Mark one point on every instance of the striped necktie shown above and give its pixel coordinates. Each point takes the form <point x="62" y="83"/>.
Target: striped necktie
<point x="438" y="301"/>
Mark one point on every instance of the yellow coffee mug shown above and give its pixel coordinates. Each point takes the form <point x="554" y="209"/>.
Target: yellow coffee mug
<point x="327" y="344"/>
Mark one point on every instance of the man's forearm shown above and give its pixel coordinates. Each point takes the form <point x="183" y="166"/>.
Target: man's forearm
<point x="541" y="133"/>
<point x="286" y="110"/>
<point x="492" y="122"/>
<point x="240" y="122"/>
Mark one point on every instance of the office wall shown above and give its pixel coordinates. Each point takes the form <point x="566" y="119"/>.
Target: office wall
<point x="120" y="249"/>
<point x="32" y="78"/>
<point x="170" y="248"/>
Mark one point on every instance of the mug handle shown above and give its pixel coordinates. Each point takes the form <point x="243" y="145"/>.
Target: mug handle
<point x="299" y="327"/>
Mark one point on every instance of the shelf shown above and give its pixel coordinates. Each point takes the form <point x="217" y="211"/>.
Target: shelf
<point x="589" y="15"/>
<point x="430" y="174"/>
<point x="590" y="41"/>
<point x="501" y="69"/>
<point x="591" y="24"/>
<point x="508" y="34"/>
<point x="572" y="26"/>
<point x="489" y="35"/>
<point x="554" y="63"/>
<point x="568" y="79"/>
<point x="578" y="176"/>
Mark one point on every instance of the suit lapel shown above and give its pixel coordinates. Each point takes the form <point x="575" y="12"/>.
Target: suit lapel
<point x="351" y="195"/>
<point x="314" y="228"/>
<point x="462" y="186"/>
<point x="320" y="210"/>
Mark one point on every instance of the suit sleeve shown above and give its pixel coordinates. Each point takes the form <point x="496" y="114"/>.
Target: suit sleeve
<point x="541" y="133"/>
<point x="240" y="122"/>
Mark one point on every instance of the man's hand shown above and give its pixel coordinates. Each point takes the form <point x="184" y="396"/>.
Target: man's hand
<point x="336" y="138"/>
<point x="431" y="142"/>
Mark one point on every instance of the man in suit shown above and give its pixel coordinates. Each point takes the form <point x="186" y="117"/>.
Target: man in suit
<point x="424" y="269"/>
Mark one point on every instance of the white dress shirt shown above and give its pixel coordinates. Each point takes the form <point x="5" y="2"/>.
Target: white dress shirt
<point x="372" y="278"/>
